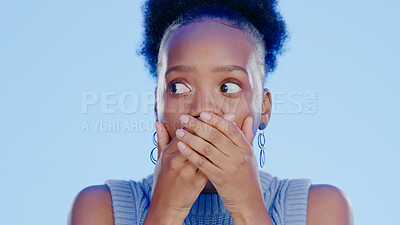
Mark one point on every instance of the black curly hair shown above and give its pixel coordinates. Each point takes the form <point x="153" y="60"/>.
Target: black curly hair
<point x="263" y="15"/>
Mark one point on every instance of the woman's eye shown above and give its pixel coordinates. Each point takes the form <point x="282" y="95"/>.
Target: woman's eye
<point x="230" y="88"/>
<point x="179" y="88"/>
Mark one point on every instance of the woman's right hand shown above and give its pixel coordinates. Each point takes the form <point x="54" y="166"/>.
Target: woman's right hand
<point x="176" y="183"/>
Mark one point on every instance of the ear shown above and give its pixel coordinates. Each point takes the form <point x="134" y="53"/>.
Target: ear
<point x="266" y="107"/>
<point x="155" y="104"/>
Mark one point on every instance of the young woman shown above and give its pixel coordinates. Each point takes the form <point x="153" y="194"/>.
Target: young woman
<point x="211" y="59"/>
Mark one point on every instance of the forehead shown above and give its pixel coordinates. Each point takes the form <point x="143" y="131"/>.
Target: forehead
<point x="208" y="44"/>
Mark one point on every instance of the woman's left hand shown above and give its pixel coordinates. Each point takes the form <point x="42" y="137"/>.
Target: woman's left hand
<point x="223" y="152"/>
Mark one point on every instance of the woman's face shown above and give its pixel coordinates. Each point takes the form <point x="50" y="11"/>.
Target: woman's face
<point x="206" y="71"/>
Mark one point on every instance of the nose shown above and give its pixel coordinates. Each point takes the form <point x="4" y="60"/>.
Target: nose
<point x="204" y="102"/>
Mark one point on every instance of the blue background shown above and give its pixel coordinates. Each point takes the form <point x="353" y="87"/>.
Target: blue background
<point x="53" y="52"/>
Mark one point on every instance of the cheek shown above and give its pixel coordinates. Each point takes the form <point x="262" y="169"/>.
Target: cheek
<point x="174" y="107"/>
<point x="233" y="105"/>
<point x="172" y="123"/>
<point x="239" y="105"/>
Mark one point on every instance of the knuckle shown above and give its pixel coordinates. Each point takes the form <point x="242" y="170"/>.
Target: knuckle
<point x="235" y="170"/>
<point x="216" y="123"/>
<point x="207" y="150"/>
<point x="242" y="158"/>
<point x="174" y="164"/>
<point x="201" y="163"/>
<point x="215" y="136"/>
<point x="196" y="125"/>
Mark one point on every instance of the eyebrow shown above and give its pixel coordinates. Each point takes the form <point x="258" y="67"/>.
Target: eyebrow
<point x="225" y="68"/>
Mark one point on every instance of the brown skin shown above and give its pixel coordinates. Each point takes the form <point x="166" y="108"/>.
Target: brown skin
<point x="234" y="171"/>
<point x="192" y="47"/>
<point x="230" y="167"/>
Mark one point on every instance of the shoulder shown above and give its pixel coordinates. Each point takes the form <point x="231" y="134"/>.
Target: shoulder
<point x="92" y="205"/>
<point x="328" y="205"/>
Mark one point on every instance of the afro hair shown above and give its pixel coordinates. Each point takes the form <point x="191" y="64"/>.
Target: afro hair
<point x="262" y="14"/>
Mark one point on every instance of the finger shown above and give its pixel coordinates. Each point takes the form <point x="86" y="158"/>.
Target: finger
<point x="205" y="166"/>
<point x="203" y="147"/>
<point x="183" y="160"/>
<point x="171" y="151"/>
<point x="210" y="134"/>
<point x="230" y="117"/>
<point x="230" y="130"/>
<point x="247" y="129"/>
<point x="164" y="141"/>
<point x="178" y="157"/>
<point x="178" y="163"/>
<point x="162" y="137"/>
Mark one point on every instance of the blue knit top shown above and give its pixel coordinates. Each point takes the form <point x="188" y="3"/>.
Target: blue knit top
<point x="285" y="200"/>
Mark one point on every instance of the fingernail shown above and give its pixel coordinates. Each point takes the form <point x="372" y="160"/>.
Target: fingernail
<point x="205" y="116"/>
<point x="184" y="119"/>
<point x="180" y="133"/>
<point x="181" y="145"/>
<point x="229" y="117"/>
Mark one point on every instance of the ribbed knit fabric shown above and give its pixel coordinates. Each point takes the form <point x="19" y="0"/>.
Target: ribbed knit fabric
<point x="285" y="200"/>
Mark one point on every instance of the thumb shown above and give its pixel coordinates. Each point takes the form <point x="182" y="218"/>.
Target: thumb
<point x="247" y="129"/>
<point x="162" y="137"/>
